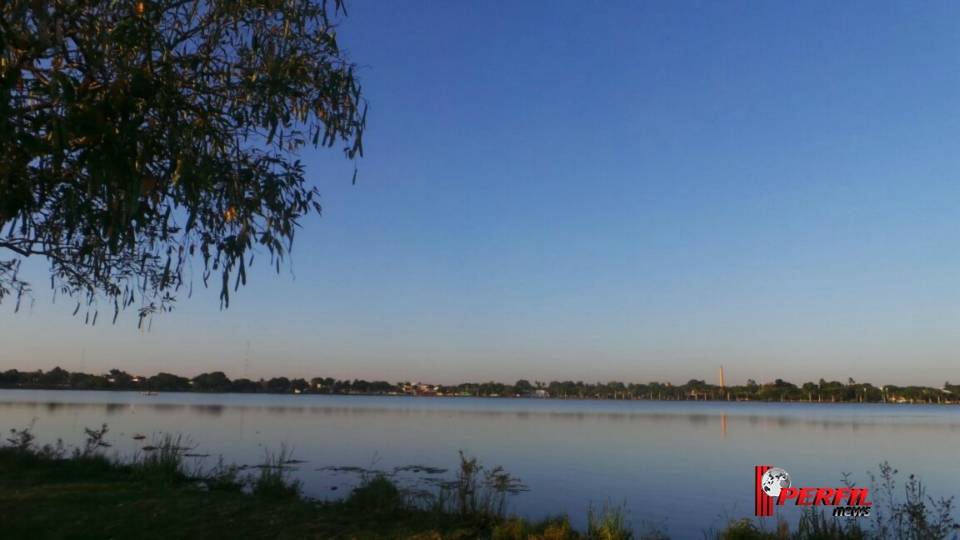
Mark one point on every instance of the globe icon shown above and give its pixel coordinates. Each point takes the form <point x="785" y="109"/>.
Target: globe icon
<point x="774" y="480"/>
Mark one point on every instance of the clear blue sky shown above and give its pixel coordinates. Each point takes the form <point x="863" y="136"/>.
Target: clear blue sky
<point x="619" y="190"/>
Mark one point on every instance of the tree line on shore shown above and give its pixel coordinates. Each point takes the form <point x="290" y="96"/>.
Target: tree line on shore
<point x="692" y="390"/>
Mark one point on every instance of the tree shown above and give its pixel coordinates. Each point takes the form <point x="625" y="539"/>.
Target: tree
<point x="10" y="377"/>
<point x="55" y="377"/>
<point x="136" y="135"/>
<point x="168" y="382"/>
<point x="523" y="386"/>
<point x="278" y="384"/>
<point x="121" y="379"/>
<point x="245" y="385"/>
<point x="212" y="382"/>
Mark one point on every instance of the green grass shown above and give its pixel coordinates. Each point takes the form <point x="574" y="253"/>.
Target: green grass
<point x="95" y="498"/>
<point x="609" y="523"/>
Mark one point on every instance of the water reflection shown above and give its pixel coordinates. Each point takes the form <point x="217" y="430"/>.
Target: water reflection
<point x="52" y="407"/>
<point x="116" y="408"/>
<point x="783" y="420"/>
<point x="606" y="449"/>
<point x="165" y="408"/>
<point x="210" y="410"/>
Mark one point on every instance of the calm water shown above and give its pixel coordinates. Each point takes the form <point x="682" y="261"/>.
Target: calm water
<point x="688" y="466"/>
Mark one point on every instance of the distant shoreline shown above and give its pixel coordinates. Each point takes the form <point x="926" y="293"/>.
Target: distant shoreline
<point x="694" y="390"/>
<point x="523" y="397"/>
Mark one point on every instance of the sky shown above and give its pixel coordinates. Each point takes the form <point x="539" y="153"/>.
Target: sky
<point x="625" y="190"/>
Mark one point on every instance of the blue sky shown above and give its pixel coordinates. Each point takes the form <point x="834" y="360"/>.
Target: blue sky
<point x="593" y="191"/>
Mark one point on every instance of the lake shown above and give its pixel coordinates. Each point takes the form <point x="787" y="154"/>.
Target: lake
<point x="684" y="466"/>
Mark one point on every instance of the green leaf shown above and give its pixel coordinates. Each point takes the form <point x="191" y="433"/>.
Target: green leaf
<point x="124" y="116"/>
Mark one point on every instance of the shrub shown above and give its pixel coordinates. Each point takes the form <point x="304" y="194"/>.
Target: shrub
<point x="22" y="440"/>
<point x="377" y="495"/>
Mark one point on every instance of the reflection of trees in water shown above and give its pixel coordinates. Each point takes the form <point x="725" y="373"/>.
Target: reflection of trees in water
<point x="18" y="405"/>
<point x="52" y="407"/>
<point x="208" y="410"/>
<point x="116" y="408"/>
<point x="841" y="417"/>
<point x="285" y="410"/>
<point x="165" y="407"/>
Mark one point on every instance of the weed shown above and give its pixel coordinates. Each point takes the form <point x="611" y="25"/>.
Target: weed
<point x="744" y="529"/>
<point x="163" y="460"/>
<point x="58" y="451"/>
<point x="815" y="524"/>
<point x="551" y="528"/>
<point x="610" y="523"/>
<point x="918" y="517"/>
<point x="480" y="492"/>
<point x="22" y="440"/>
<point x="512" y="529"/>
<point x="554" y="529"/>
<point x="224" y="478"/>
<point x="272" y="482"/>
<point x="95" y="443"/>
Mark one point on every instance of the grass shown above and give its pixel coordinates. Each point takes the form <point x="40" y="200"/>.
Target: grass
<point x="94" y="497"/>
<point x="609" y="523"/>
<point x="273" y="481"/>
<point x="163" y="460"/>
<point x="46" y="493"/>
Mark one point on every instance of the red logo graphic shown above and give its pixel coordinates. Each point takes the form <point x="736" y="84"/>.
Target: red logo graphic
<point x="762" y="501"/>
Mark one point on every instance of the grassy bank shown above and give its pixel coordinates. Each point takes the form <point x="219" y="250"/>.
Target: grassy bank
<point x="49" y="492"/>
<point x="94" y="497"/>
